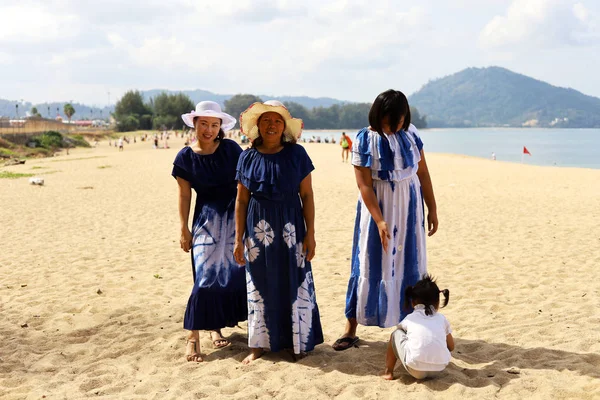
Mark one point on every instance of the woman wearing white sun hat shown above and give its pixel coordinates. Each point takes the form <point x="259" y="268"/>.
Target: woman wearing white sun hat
<point x="275" y="216"/>
<point x="208" y="166"/>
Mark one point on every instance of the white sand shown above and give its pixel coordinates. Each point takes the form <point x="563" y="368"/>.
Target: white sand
<point x="518" y="247"/>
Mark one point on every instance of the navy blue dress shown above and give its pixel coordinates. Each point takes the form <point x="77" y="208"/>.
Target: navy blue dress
<point x="282" y="306"/>
<point x="218" y="298"/>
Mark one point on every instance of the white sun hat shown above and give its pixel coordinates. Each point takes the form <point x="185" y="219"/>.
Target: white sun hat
<point x="209" y="109"/>
<point x="249" y="120"/>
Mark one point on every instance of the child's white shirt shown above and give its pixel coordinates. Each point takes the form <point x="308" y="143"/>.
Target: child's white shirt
<point x="426" y="348"/>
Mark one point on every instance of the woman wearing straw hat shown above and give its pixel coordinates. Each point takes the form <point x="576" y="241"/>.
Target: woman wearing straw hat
<point x="274" y="218"/>
<point x="218" y="298"/>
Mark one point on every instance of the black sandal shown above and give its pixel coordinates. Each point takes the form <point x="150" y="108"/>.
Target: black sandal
<point x="345" y="343"/>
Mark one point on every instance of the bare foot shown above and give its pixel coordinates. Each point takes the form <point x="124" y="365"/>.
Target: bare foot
<point x="218" y="340"/>
<point x="255" y="354"/>
<point x="192" y="351"/>
<point x="388" y="375"/>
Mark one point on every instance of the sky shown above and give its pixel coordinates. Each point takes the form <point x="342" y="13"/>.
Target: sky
<point x="92" y="52"/>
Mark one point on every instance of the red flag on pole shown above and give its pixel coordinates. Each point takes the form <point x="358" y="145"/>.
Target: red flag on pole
<point x="525" y="151"/>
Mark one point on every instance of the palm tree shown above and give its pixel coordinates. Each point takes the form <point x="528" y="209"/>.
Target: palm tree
<point x="69" y="111"/>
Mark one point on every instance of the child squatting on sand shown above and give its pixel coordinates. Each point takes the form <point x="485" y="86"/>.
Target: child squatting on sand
<point x="423" y="340"/>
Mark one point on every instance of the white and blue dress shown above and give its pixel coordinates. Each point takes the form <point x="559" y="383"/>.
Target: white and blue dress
<point x="377" y="281"/>
<point x="218" y="298"/>
<point x="282" y="305"/>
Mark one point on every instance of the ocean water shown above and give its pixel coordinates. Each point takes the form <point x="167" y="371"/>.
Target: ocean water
<point x="554" y="147"/>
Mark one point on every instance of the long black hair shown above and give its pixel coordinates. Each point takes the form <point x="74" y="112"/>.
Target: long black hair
<point x="425" y="292"/>
<point x="392" y="104"/>
<point x="220" y="135"/>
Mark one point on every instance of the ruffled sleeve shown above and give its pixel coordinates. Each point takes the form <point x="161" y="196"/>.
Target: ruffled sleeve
<point x="390" y="157"/>
<point x="253" y="173"/>
<point x="215" y="170"/>
<point x="303" y="162"/>
<point x="274" y="175"/>
<point x="182" y="165"/>
<point x="361" y="149"/>
<point x="234" y="149"/>
<point x="414" y="132"/>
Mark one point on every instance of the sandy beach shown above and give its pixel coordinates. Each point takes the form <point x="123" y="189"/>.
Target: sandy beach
<point x="93" y="285"/>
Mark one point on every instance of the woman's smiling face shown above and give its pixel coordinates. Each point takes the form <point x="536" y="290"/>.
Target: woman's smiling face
<point x="271" y="126"/>
<point x="207" y="128"/>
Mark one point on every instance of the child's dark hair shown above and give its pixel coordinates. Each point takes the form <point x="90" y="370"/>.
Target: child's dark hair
<point x="392" y="104"/>
<point x="425" y="292"/>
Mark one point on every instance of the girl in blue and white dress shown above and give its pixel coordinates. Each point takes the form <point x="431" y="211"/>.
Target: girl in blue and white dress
<point x="275" y="215"/>
<point x="388" y="252"/>
<point x="208" y="166"/>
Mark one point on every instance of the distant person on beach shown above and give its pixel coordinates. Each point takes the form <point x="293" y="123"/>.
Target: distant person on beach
<point x="346" y="144"/>
<point x="218" y="297"/>
<point x="275" y="215"/>
<point x="388" y="250"/>
<point x="423" y="340"/>
<point x="121" y="144"/>
<point x="493" y="156"/>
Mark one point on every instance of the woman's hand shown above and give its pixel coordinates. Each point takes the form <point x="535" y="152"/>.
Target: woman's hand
<point x="432" y="222"/>
<point x="309" y="245"/>
<point x="238" y="252"/>
<point x="186" y="240"/>
<point x="384" y="235"/>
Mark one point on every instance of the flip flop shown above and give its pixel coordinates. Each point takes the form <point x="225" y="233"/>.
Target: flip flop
<point x="220" y="343"/>
<point x="345" y="343"/>
<point x="192" y="354"/>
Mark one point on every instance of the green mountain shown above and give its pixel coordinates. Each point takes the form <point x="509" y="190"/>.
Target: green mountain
<point x="199" y="95"/>
<point x="494" y="96"/>
<point x="82" y="111"/>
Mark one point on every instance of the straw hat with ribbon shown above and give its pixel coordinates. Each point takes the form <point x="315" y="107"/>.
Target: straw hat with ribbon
<point x="209" y="109"/>
<point x="249" y="120"/>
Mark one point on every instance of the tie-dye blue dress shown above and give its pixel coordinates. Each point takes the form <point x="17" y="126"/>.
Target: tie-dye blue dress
<point x="218" y="298"/>
<point x="377" y="281"/>
<point x="282" y="306"/>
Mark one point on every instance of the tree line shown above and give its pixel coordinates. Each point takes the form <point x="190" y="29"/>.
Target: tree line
<point x="68" y="109"/>
<point x="164" y="112"/>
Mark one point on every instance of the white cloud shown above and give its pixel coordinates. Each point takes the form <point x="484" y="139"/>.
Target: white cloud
<point x="165" y="52"/>
<point x="254" y="11"/>
<point x="348" y="49"/>
<point x="539" y="24"/>
<point x="25" y="24"/>
<point x="6" y="58"/>
<point x="581" y="12"/>
<point x="73" y="56"/>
